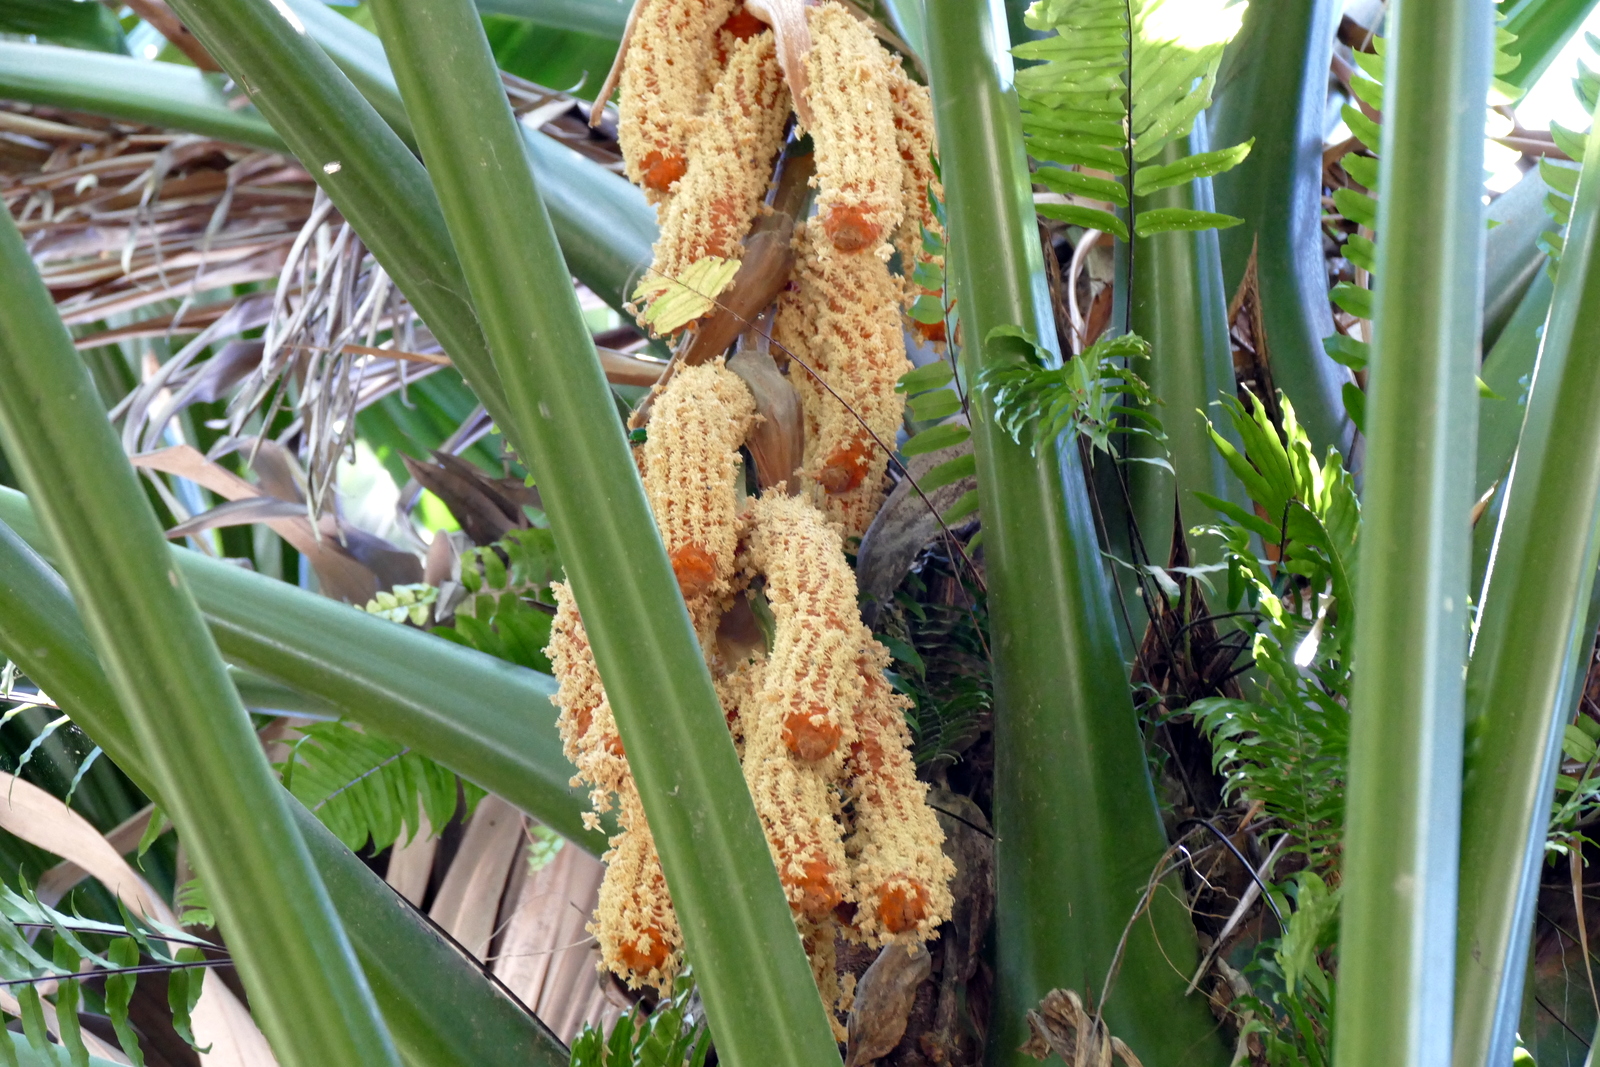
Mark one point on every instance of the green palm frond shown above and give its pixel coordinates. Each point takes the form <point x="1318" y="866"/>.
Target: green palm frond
<point x="1115" y="83"/>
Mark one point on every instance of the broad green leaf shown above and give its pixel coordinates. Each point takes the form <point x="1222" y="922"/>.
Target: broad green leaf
<point x="1354" y="299"/>
<point x="928" y="276"/>
<point x="124" y="952"/>
<point x="934" y="405"/>
<point x="927" y="310"/>
<point x="949" y="472"/>
<point x="1357" y="207"/>
<point x="1361" y="251"/>
<point x="1561" y="177"/>
<point x="1071" y="181"/>
<point x="1348" y="351"/>
<point x="1365" y="130"/>
<point x="1364" y="169"/>
<point x="183" y="993"/>
<point x="965" y="506"/>
<point x="928" y="376"/>
<point x="1568" y="141"/>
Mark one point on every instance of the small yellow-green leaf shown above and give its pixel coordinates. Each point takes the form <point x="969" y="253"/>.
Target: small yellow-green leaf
<point x="676" y="302"/>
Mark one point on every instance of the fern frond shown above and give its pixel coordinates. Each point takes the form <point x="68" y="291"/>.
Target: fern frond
<point x="1116" y="82"/>
<point x="363" y="786"/>
<point x="1090" y="393"/>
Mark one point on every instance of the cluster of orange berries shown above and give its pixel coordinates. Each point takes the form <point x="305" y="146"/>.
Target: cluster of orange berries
<point x="705" y="112"/>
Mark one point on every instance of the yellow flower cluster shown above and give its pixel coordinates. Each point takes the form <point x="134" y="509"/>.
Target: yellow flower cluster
<point x="913" y="130"/>
<point x="842" y="318"/>
<point x="691" y="469"/>
<point x="634" y="921"/>
<point x="821" y="735"/>
<point x="670" y="66"/>
<point x="730" y="159"/>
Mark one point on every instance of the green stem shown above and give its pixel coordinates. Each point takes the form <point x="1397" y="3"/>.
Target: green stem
<point x="161" y="94"/>
<point x="749" y="963"/>
<point x="603" y="18"/>
<point x="1180" y="307"/>
<point x="1521" y="684"/>
<point x="1077" y="830"/>
<point x="441" y="1008"/>
<point x="305" y="986"/>
<point x="1277" y="95"/>
<point x="1397" y="941"/>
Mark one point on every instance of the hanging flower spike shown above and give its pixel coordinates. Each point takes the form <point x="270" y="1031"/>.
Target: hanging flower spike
<point x="798" y="723"/>
<point x="811" y="683"/>
<point x="820" y="941"/>
<point x="640" y="940"/>
<point x="858" y="159"/>
<point x="669" y="67"/>
<point x="858" y="347"/>
<point x="729" y="162"/>
<point x="589" y="737"/>
<point x="914" y="136"/>
<point x="900" y="874"/>
<point x="692" y="478"/>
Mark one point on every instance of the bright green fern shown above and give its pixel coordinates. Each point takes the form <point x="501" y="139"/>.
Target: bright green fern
<point x="364" y="786"/>
<point x="1117" y="81"/>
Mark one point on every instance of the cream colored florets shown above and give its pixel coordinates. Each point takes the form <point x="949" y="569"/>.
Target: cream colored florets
<point x="857" y="346"/>
<point x="858" y="159"/>
<point x="730" y="160"/>
<point x="692" y="478"/>
<point x="671" y="64"/>
<point x="914" y="137"/>
<point x="900" y="874"/>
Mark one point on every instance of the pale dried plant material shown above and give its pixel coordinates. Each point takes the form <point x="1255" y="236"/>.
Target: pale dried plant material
<point x="729" y="161"/>
<point x="670" y="66"/>
<point x="692" y="475"/>
<point x="901" y="874"/>
<point x="919" y="184"/>
<point x="858" y="157"/>
<point x="845" y="314"/>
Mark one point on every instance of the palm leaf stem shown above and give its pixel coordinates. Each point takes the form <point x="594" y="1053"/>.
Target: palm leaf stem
<point x="1529" y="656"/>
<point x="1397" y="942"/>
<point x="304" y="982"/>
<point x="751" y="969"/>
<point x="1075" y="817"/>
<point x="487" y="720"/>
<point x="1179" y="305"/>
<point x="161" y="94"/>
<point x="441" y="1008"/>
<point x="1277" y="95"/>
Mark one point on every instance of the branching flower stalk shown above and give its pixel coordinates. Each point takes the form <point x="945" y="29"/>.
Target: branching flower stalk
<point x="705" y="113"/>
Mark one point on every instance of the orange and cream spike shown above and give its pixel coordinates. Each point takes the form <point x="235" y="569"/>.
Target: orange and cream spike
<point x="692" y="478"/>
<point x="914" y="136"/>
<point x="729" y="160"/>
<point x="669" y="66"/>
<point x="858" y="158"/>
<point x="900" y="874"/>
<point x="850" y="308"/>
<point x="634" y="922"/>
